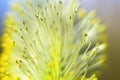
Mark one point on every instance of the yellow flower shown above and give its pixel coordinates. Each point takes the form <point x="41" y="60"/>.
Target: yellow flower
<point x="51" y="40"/>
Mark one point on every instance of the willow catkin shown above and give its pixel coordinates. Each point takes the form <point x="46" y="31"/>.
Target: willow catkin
<point x="51" y="40"/>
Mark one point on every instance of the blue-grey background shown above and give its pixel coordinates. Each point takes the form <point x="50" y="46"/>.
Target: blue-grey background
<point x="109" y="12"/>
<point x="3" y="9"/>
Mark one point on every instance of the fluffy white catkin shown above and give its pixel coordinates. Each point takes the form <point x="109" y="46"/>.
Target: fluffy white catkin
<point x="51" y="40"/>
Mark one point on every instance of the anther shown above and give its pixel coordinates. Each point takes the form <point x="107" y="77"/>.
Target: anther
<point x="60" y="2"/>
<point x="36" y="16"/>
<point x="23" y="22"/>
<point x="70" y="17"/>
<point x="21" y="37"/>
<point x="57" y="13"/>
<point x="85" y="34"/>
<point x="26" y="29"/>
<point x="41" y="19"/>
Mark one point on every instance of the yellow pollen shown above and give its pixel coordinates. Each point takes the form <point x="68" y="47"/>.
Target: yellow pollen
<point x="52" y="64"/>
<point x="17" y="78"/>
<point x="75" y="46"/>
<point x="82" y="13"/>
<point x="62" y="78"/>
